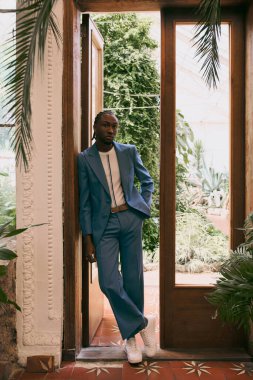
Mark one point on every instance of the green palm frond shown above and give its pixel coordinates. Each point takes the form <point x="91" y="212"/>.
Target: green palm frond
<point x="248" y="233"/>
<point x="233" y="294"/>
<point x="207" y="34"/>
<point x="34" y="20"/>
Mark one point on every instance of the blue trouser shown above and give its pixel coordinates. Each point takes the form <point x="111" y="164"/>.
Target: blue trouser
<point x="125" y="289"/>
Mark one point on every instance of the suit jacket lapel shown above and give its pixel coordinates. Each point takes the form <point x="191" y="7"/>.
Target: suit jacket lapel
<point x="96" y="164"/>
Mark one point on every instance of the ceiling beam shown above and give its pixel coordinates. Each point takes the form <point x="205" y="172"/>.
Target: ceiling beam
<point x="143" y="5"/>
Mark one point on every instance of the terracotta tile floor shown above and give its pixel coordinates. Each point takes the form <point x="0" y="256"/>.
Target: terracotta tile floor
<point x="147" y="370"/>
<point x="108" y="335"/>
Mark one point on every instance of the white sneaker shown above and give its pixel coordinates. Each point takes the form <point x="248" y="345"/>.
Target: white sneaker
<point x="148" y="337"/>
<point x="134" y="354"/>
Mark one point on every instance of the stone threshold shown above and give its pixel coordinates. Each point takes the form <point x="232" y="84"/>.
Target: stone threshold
<point x="117" y="353"/>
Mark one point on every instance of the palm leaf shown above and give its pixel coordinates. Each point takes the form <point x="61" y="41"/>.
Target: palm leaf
<point x="248" y="233"/>
<point x="34" y="20"/>
<point x="233" y="295"/>
<point x="206" y="36"/>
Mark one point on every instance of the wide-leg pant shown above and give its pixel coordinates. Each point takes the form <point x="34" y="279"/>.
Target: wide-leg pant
<point x="124" y="289"/>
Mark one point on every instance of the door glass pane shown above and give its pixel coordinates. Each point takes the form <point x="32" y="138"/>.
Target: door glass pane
<point x="202" y="164"/>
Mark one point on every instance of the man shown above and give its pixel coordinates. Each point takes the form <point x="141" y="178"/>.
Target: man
<point x="111" y="217"/>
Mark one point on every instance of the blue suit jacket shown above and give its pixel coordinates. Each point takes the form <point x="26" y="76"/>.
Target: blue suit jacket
<point x="94" y="194"/>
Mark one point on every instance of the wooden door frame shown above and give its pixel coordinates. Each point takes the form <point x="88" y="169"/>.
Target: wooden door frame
<point x="89" y="36"/>
<point x="71" y="132"/>
<point x="71" y="129"/>
<point x="170" y="17"/>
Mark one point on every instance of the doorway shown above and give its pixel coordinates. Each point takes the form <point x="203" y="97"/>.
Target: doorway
<point x="121" y="72"/>
<point x="180" y="284"/>
<point x="196" y="313"/>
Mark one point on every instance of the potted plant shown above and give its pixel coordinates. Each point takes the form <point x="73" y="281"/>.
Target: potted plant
<point x="233" y="292"/>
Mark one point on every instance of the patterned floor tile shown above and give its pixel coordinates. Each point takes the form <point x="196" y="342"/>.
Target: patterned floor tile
<point x="235" y="377"/>
<point x="228" y="376"/>
<point x="62" y="373"/>
<point x="80" y="374"/>
<point x="220" y="364"/>
<point x="239" y="370"/>
<point x="212" y="364"/>
<point x="97" y="372"/>
<point x="193" y="370"/>
<point x="133" y="371"/>
<point x="147" y="370"/>
<point x="163" y="371"/>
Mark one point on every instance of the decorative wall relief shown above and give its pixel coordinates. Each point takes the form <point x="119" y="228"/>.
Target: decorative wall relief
<point x="39" y="200"/>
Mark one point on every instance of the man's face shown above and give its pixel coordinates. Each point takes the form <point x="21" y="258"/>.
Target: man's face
<point x="106" y="129"/>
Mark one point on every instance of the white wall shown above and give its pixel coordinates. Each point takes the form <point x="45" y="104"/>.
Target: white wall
<point x="39" y="200"/>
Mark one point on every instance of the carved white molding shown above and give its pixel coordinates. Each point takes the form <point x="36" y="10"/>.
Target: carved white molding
<point x="28" y="254"/>
<point x="51" y="312"/>
<point x="39" y="200"/>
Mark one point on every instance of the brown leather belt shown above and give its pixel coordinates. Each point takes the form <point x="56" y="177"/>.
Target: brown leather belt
<point x="119" y="208"/>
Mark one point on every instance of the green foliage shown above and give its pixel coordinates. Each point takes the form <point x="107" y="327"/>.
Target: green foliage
<point x="131" y="89"/>
<point x="7" y="254"/>
<point x="211" y="180"/>
<point x="36" y="17"/>
<point x="184" y="142"/>
<point x="184" y="139"/>
<point x="7" y="201"/>
<point x="199" y="245"/>
<point x="206" y="38"/>
<point x="151" y="232"/>
<point x="248" y="234"/>
<point x="198" y="155"/>
<point x="233" y="293"/>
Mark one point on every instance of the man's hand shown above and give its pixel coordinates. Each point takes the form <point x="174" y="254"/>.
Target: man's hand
<point x="90" y="252"/>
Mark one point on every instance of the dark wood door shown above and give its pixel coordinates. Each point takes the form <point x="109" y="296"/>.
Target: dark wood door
<point x="185" y="315"/>
<point x="91" y="103"/>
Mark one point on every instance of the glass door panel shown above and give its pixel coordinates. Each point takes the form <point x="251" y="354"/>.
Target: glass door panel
<point x="202" y="163"/>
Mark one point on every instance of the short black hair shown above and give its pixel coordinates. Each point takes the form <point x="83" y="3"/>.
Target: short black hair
<point x="98" y="118"/>
<point x="102" y="113"/>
